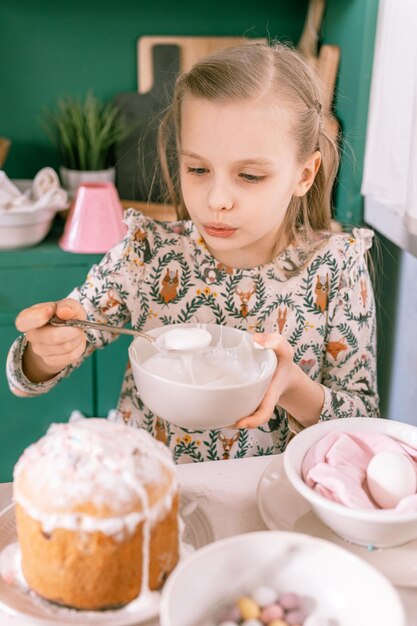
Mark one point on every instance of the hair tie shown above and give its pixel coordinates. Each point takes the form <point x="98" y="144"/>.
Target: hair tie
<point x="318" y="107"/>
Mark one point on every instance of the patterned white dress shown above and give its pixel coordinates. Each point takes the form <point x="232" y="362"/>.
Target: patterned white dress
<point x="162" y="273"/>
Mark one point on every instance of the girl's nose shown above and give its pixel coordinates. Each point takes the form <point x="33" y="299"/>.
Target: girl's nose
<point x="219" y="198"/>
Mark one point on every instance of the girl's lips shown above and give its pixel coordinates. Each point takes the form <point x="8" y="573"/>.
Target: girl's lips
<point x="218" y="230"/>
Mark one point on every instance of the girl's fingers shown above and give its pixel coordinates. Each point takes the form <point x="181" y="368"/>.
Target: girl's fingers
<point x="60" y="361"/>
<point x="262" y="414"/>
<point x="45" y="350"/>
<point x="53" y="335"/>
<point x="268" y="340"/>
<point x="35" y="316"/>
<point x="251" y="422"/>
<point x="69" y="309"/>
<point x="284" y="352"/>
<point x="55" y="346"/>
<point x="39" y="315"/>
<point x="277" y="342"/>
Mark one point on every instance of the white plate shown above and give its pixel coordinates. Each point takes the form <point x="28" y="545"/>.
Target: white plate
<point x="282" y="508"/>
<point x="16" y="599"/>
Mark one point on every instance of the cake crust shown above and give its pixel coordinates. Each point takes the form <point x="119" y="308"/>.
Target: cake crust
<point x="94" y="571"/>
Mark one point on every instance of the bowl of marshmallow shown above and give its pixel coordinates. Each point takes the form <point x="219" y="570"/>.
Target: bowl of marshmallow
<point x="277" y="578"/>
<point x="359" y="475"/>
<point x="201" y="376"/>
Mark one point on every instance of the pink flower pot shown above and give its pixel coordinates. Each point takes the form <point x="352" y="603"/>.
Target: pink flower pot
<point x="95" y="221"/>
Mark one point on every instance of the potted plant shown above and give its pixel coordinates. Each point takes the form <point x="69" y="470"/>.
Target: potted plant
<point x="85" y="133"/>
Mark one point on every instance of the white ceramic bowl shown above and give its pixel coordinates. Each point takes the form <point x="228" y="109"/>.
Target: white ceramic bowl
<point x="336" y="586"/>
<point x="193" y="406"/>
<point x="377" y="527"/>
<point x="20" y="230"/>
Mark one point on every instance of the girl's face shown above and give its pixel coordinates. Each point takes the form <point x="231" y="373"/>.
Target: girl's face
<point x="239" y="171"/>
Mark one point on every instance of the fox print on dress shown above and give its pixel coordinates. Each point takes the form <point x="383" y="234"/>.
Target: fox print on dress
<point x="322" y="292"/>
<point x="169" y="286"/>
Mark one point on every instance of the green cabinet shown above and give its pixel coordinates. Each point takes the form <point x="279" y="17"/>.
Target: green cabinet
<point x="39" y="274"/>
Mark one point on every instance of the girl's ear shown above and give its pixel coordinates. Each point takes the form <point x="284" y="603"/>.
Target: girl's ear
<point x="308" y="174"/>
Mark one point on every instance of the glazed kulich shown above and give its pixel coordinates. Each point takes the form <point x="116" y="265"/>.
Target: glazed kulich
<point x="96" y="513"/>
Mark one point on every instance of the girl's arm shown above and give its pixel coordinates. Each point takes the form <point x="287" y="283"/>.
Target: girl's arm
<point x="103" y="297"/>
<point x="49" y="350"/>
<point x="290" y="388"/>
<point x="348" y="385"/>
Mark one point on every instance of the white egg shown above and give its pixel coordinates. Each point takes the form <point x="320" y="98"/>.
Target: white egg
<point x="264" y="596"/>
<point x="391" y="476"/>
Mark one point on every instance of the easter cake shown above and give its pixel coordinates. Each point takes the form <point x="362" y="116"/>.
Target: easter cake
<point x="96" y="514"/>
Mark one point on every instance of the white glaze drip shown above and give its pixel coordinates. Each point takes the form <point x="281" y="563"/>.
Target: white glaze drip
<point x="211" y="367"/>
<point x="93" y="460"/>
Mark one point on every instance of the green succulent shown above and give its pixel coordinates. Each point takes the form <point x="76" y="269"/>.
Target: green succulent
<point x="85" y="132"/>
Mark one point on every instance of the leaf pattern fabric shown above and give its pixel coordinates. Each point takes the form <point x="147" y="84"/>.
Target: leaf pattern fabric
<point x="162" y="273"/>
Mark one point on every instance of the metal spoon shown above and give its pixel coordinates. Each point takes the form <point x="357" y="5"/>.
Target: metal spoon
<point x="159" y="342"/>
<point x="56" y="321"/>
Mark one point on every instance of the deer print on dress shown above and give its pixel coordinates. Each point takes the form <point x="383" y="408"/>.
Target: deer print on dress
<point x="169" y="286"/>
<point x="111" y="301"/>
<point x="160" y="430"/>
<point x="244" y="297"/>
<point x="282" y="318"/>
<point x="322" y="292"/>
<point x="228" y="443"/>
<point x="364" y="292"/>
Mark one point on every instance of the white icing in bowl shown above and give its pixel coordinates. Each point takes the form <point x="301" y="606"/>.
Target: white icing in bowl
<point x="184" y="339"/>
<point x="213" y="388"/>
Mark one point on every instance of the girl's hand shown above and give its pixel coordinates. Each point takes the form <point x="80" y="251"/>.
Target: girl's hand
<point x="50" y="348"/>
<point x="280" y="382"/>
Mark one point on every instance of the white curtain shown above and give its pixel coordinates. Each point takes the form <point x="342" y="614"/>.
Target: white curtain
<point x="390" y="171"/>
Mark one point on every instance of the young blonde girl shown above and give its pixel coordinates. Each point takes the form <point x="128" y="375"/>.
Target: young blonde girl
<point x="246" y="156"/>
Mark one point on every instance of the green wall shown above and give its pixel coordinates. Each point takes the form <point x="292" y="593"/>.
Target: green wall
<point x="50" y="49"/>
<point x="53" y="48"/>
<point x="351" y="25"/>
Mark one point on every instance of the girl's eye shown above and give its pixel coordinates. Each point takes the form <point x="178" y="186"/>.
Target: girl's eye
<point x="197" y="171"/>
<point x="251" y="178"/>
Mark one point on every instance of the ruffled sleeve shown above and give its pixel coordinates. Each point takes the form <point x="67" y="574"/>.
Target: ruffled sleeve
<point x="18" y="383"/>
<point x="349" y="369"/>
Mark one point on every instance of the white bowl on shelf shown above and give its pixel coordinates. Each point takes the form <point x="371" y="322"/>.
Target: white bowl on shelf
<point x="379" y="528"/>
<point x="23" y="229"/>
<point x="335" y="586"/>
<point x="199" y="407"/>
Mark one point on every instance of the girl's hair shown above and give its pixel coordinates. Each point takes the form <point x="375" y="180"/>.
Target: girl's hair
<point x="275" y="73"/>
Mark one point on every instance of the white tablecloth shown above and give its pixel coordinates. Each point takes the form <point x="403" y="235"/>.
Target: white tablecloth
<point x="226" y="490"/>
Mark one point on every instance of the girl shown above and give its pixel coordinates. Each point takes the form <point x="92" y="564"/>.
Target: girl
<point x="244" y="151"/>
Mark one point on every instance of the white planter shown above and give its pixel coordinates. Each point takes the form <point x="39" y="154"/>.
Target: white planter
<point x="72" y="179"/>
